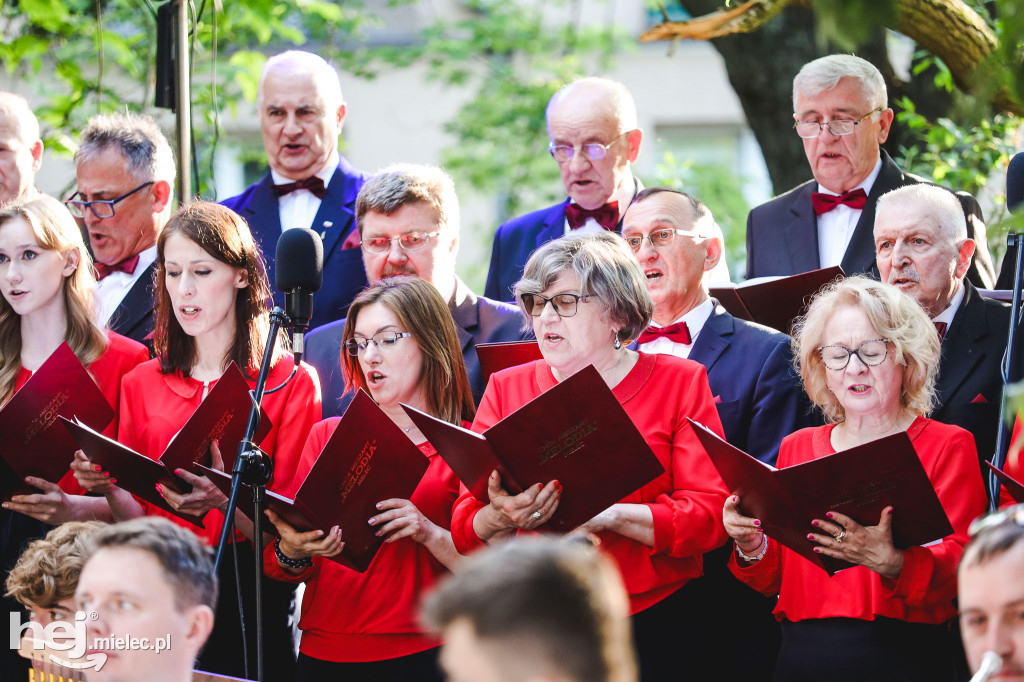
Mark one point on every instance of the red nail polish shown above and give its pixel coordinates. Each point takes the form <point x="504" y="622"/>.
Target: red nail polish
<point x="158" y="488"/>
<point x="829" y="515"/>
<point x="810" y="537"/>
<point x="99" y="468"/>
<point x="757" y="522"/>
<point x="814" y="523"/>
<point x="816" y="549"/>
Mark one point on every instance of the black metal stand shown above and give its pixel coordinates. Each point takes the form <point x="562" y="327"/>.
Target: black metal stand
<point x="1009" y="370"/>
<point x="254" y="468"/>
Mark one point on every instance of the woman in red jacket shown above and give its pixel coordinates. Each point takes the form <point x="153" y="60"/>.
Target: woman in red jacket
<point x="401" y="346"/>
<point x="868" y="356"/>
<point x="211" y="311"/>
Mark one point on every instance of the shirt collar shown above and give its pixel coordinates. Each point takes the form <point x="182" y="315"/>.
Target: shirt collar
<point x="949" y="313"/>
<point x="866" y="184"/>
<point x="695" y="318"/>
<point x="325" y="173"/>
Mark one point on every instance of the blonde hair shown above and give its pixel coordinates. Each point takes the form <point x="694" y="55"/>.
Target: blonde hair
<point x="54" y="230"/>
<point x="47" y="571"/>
<point x="895" y="316"/>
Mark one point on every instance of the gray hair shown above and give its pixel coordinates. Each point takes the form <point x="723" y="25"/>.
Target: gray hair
<point x="825" y="73"/>
<point x="401" y="184"/>
<point x="607" y="269"/>
<point x="326" y="76"/>
<point x="615" y="94"/>
<point x="929" y="202"/>
<point x="137" y="137"/>
<point x="19" y="110"/>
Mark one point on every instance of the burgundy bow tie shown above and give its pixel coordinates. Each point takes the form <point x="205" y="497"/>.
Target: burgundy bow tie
<point x="941" y="327"/>
<point x="606" y="216"/>
<point x="126" y="266"/>
<point x="677" y="332"/>
<point x="823" y="203"/>
<point x="314" y="184"/>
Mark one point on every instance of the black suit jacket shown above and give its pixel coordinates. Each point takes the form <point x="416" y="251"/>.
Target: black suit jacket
<point x="970" y="385"/>
<point x="135" y="316"/>
<point x="344" y="276"/>
<point x="477" y="320"/>
<point x="782" y="234"/>
<point x="515" y="241"/>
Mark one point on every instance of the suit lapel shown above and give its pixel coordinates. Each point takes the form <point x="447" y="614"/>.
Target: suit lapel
<point x="962" y="349"/>
<point x="554" y="225"/>
<point x="860" y="252"/>
<point x="465" y="313"/>
<point x="802" y="231"/>
<point x="136" y="304"/>
<point x="336" y="216"/>
<point x="713" y="338"/>
<point x="264" y="219"/>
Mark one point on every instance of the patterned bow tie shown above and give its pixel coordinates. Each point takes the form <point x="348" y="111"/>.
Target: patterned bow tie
<point x="313" y="184"/>
<point x="126" y="266"/>
<point x="606" y="216"/>
<point x="940" y="327"/>
<point x="823" y="203"/>
<point x="677" y="332"/>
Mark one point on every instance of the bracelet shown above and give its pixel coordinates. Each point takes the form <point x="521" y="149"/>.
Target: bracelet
<point x="760" y="555"/>
<point x="287" y="560"/>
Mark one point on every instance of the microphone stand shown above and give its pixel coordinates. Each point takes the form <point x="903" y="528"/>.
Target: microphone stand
<point x="1009" y="371"/>
<point x="254" y="468"/>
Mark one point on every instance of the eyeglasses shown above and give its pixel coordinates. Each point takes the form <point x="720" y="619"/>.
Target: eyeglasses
<point x="410" y="241"/>
<point x="838" y="127"/>
<point x="659" y="238"/>
<point x="564" y="304"/>
<point x="381" y="340"/>
<point x="101" y="208"/>
<point x="1014" y="514"/>
<point x="871" y="353"/>
<point x="594" y="151"/>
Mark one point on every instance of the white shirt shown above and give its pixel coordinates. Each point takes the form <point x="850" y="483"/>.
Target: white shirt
<point x="695" y="320"/>
<point x="949" y="313"/>
<point x="299" y="208"/>
<point x="112" y="289"/>
<point x="835" y="228"/>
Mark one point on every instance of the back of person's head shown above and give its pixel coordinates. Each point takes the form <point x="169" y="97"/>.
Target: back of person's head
<point x="541" y="608"/>
<point x="401" y="184"/>
<point x="137" y="138"/>
<point x="993" y="536"/>
<point x="47" y="571"/>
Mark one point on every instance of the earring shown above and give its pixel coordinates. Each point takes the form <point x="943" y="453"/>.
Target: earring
<point x="618" y="342"/>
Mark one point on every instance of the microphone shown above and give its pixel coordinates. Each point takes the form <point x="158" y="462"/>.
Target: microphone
<point x="300" y="273"/>
<point x="1015" y="182"/>
<point x="991" y="664"/>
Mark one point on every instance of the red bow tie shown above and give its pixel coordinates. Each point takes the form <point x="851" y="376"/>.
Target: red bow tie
<point x="606" y="216"/>
<point x="313" y="184"/>
<point x="677" y="332"/>
<point x="940" y="327"/>
<point x="823" y="203"/>
<point x="126" y="266"/>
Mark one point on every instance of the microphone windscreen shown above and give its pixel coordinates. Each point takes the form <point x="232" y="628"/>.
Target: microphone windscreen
<point x="1015" y="182"/>
<point x="300" y="260"/>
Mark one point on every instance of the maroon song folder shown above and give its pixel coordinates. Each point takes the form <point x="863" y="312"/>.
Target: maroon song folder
<point x="367" y="459"/>
<point x="859" y="482"/>
<point x="35" y="444"/>
<point x="1012" y="485"/>
<point x="775" y="303"/>
<point x="222" y="416"/>
<point x="576" y="433"/>
<point x="497" y="356"/>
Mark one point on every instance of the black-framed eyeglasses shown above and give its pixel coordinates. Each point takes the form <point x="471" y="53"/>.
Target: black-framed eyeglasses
<point x="659" y="238"/>
<point x="410" y="241"/>
<point x="1012" y="514"/>
<point x="594" y="151"/>
<point x="101" y="208"/>
<point x="871" y="353"/>
<point x="838" y="127"/>
<point x="564" y="304"/>
<point x="382" y="340"/>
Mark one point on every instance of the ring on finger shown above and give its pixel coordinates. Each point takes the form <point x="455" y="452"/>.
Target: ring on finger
<point x="536" y="515"/>
<point x="842" y="534"/>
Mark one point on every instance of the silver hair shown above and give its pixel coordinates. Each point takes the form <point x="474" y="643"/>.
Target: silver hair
<point x="606" y="268"/>
<point x="401" y="184"/>
<point x="617" y="96"/>
<point x="825" y="73"/>
<point x="18" y="108"/>
<point x="929" y="202"/>
<point x="136" y="137"/>
<point x="326" y="76"/>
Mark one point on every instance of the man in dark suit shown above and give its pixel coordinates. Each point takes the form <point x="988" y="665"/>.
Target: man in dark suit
<point x="408" y="221"/>
<point x="594" y="139"/>
<point x="841" y="113"/>
<point x="309" y="184"/>
<point x="758" y="395"/>
<point x="922" y="247"/>
<point x="125" y="171"/>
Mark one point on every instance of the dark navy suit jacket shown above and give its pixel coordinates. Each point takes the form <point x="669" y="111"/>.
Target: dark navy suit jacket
<point x="782" y="234"/>
<point x="335" y="222"/>
<point x="135" y="315"/>
<point x="515" y="241"/>
<point x="477" y="320"/>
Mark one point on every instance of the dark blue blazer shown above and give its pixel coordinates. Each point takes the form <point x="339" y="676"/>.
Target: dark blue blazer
<point x="515" y="241"/>
<point x="477" y="320"/>
<point x="782" y="234"/>
<point x="344" y="276"/>
<point x="135" y="315"/>
<point x="758" y="395"/>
